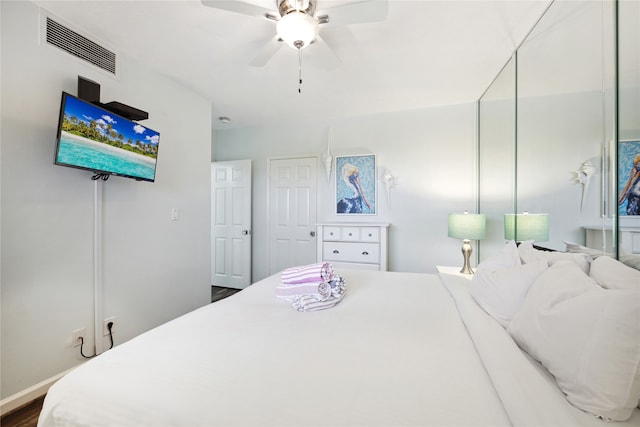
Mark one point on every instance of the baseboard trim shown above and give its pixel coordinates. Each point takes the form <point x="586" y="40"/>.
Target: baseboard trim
<point x="28" y="395"/>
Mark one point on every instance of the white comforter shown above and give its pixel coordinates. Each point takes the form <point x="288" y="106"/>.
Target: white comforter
<point x="395" y="351"/>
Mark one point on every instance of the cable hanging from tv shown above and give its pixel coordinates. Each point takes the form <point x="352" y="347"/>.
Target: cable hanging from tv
<point x="102" y="176"/>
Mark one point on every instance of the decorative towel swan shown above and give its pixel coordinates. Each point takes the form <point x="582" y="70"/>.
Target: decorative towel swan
<point x="354" y="204"/>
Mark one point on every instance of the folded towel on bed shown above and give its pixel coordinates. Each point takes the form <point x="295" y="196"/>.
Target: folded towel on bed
<point x="288" y="292"/>
<point x="314" y="302"/>
<point x="322" y="290"/>
<point x="312" y="273"/>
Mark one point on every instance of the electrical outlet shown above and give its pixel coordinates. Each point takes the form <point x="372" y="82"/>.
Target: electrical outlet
<point x="76" y="335"/>
<point x="105" y="327"/>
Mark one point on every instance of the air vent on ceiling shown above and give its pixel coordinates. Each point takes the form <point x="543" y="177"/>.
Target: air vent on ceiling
<point x="79" y="46"/>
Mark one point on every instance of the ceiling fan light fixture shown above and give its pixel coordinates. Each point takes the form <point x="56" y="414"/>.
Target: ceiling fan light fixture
<point x="297" y="29"/>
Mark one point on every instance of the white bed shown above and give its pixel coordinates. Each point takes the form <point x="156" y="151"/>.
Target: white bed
<point x="395" y="351"/>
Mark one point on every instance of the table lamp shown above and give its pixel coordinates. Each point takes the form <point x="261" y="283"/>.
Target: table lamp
<point x="468" y="227"/>
<point x="526" y="226"/>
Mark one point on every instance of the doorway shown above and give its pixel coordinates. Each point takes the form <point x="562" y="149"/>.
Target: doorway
<point x="231" y="224"/>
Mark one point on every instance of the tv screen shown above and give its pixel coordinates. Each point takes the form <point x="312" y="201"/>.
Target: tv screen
<point x="95" y="139"/>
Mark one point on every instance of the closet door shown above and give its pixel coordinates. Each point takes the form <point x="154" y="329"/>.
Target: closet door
<point x="292" y="212"/>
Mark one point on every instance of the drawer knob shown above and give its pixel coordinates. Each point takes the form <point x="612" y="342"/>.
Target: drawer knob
<point x="370" y="234"/>
<point x="335" y="251"/>
<point x="331" y="234"/>
<point x="350" y="234"/>
<point x="365" y="253"/>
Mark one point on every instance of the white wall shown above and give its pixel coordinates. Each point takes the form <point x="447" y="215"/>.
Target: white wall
<point x="430" y="151"/>
<point x="154" y="269"/>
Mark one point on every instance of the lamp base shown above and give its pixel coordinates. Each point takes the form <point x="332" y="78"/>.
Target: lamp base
<point x="466" y="252"/>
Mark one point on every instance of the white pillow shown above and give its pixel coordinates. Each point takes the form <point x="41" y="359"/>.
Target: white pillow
<point x="530" y="254"/>
<point x="632" y="261"/>
<point x="612" y="274"/>
<point x="506" y="258"/>
<point x="586" y="336"/>
<point x="501" y="292"/>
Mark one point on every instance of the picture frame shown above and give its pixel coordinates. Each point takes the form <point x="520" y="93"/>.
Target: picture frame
<point x="628" y="178"/>
<point x="355" y="185"/>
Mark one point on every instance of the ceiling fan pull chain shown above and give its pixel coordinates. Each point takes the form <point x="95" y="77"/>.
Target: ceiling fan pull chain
<point x="299" y="70"/>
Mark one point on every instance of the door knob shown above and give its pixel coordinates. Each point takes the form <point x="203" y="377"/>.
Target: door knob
<point x="245" y="232"/>
<point x="312" y="233"/>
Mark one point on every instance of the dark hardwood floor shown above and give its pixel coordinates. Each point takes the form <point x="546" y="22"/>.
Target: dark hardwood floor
<point x="27" y="416"/>
<point x="218" y="293"/>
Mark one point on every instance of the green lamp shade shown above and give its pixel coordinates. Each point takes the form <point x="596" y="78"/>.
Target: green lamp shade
<point x="467" y="226"/>
<point x="521" y="227"/>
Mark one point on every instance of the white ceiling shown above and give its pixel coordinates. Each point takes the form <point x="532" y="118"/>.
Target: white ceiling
<point x="426" y="53"/>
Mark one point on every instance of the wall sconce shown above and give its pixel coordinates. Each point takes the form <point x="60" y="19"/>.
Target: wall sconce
<point x="468" y="227"/>
<point x="583" y="175"/>
<point x="526" y="226"/>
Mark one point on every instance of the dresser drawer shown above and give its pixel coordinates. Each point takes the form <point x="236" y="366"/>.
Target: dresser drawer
<point x="370" y="234"/>
<point x="332" y="233"/>
<point x="338" y="265"/>
<point x="351" y="234"/>
<point x="367" y="253"/>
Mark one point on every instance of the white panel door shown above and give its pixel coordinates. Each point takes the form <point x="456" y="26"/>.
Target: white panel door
<point x="292" y="212"/>
<point x="231" y="224"/>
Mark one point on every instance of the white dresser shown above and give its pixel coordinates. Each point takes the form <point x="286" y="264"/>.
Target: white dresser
<point x="351" y="245"/>
<point x="629" y="238"/>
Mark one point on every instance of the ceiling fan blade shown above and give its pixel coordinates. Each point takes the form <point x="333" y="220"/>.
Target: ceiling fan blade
<point x="241" y="7"/>
<point x="339" y="37"/>
<point x="267" y="52"/>
<point x="330" y="60"/>
<point x="355" y="13"/>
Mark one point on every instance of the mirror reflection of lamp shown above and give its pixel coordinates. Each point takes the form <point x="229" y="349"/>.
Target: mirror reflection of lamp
<point x="468" y="227"/>
<point x="526" y="226"/>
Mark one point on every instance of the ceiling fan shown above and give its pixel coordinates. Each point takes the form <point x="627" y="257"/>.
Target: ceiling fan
<point x="299" y="23"/>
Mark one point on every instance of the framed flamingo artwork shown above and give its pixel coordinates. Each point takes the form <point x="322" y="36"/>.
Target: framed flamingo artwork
<point x="356" y="185"/>
<point x="629" y="178"/>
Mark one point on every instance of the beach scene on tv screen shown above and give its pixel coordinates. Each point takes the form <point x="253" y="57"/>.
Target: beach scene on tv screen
<point x="95" y="139"/>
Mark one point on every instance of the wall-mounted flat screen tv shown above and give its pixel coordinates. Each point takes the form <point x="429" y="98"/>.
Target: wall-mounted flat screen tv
<point x="95" y="139"/>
